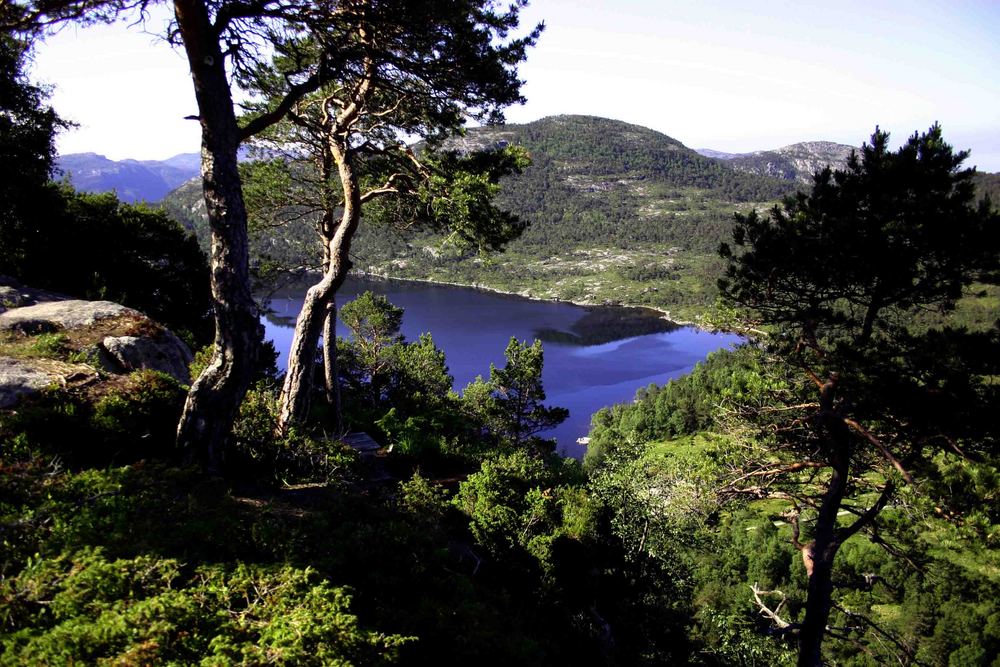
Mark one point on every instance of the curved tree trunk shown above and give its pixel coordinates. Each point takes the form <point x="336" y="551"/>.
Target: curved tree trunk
<point x="215" y="396"/>
<point x="295" y="394"/>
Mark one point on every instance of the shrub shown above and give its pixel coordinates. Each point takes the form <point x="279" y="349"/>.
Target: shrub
<point x="140" y="415"/>
<point x="296" y="456"/>
<point x="86" y="607"/>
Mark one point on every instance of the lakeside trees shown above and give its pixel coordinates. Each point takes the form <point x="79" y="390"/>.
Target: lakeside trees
<point x="391" y="68"/>
<point x="407" y="70"/>
<point x="509" y="403"/>
<point x="847" y="402"/>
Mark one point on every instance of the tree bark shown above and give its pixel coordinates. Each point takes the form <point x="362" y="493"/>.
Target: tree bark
<point x="823" y="550"/>
<point x="214" y="398"/>
<point x="296" y="392"/>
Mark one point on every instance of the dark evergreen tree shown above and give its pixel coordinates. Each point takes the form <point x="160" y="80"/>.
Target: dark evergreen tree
<point x="510" y="403"/>
<point x="27" y="132"/>
<point x="835" y="277"/>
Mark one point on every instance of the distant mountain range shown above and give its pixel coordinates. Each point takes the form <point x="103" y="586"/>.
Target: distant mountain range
<point x="152" y="180"/>
<point x="797" y="162"/>
<point x="133" y="180"/>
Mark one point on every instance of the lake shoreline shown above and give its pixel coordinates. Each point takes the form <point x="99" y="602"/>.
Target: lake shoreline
<point x="664" y="314"/>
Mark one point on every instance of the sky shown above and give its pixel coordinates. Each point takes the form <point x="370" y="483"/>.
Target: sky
<point x="732" y="75"/>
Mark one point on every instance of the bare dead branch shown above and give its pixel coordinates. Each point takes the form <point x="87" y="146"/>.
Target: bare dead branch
<point x="787" y="408"/>
<point x="773" y="472"/>
<point x="882" y="448"/>
<point x="774" y="614"/>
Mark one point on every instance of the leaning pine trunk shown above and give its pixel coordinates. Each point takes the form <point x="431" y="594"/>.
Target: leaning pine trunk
<point x="822" y="553"/>
<point x="295" y="394"/>
<point x="215" y="396"/>
<point x="823" y="550"/>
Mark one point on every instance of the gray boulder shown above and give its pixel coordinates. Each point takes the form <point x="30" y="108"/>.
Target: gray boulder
<point x="163" y="352"/>
<point x="55" y="315"/>
<point x="11" y="297"/>
<point x="19" y="379"/>
<point x="15" y="295"/>
<point x="115" y="338"/>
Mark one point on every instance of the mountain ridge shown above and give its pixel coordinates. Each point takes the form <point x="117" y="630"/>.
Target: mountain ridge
<point x="132" y="180"/>
<point x="611" y="207"/>
<point x="617" y="213"/>
<point x="151" y="180"/>
<point x="794" y="162"/>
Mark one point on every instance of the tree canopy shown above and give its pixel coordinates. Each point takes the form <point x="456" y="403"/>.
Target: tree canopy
<point x="27" y="134"/>
<point x="403" y="70"/>
<point x="510" y="402"/>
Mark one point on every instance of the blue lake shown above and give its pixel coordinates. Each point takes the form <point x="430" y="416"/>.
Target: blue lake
<point x="594" y="357"/>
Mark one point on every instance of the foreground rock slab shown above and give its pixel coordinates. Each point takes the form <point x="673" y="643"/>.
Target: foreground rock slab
<point x="110" y="337"/>
<point x="19" y="379"/>
<point x="54" y="315"/>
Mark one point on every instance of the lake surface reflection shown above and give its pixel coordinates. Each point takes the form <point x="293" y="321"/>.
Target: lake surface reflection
<point x="594" y="356"/>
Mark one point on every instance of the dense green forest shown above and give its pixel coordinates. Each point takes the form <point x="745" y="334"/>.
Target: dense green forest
<point x="824" y="494"/>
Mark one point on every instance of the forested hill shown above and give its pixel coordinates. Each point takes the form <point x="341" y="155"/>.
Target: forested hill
<point x="598" y="152"/>
<point x="617" y="213"/>
<point x="595" y="180"/>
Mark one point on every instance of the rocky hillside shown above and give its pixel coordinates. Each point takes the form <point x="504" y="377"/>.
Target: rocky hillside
<point x="796" y="162"/>
<point x="611" y="207"/>
<point x="595" y="182"/>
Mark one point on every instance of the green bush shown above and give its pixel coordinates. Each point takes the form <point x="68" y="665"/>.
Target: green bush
<point x="87" y="607"/>
<point x="139" y="416"/>
<point x="296" y="456"/>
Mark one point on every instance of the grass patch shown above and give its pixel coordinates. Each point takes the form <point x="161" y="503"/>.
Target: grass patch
<point x="41" y="346"/>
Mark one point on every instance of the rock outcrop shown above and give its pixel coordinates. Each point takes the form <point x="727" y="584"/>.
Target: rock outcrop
<point x="15" y="295"/>
<point x="93" y="338"/>
<point x="51" y="316"/>
<point x="164" y="352"/>
<point x="19" y="379"/>
<point x="797" y="162"/>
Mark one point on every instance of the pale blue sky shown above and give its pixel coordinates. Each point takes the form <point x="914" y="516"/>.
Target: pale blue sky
<point x="734" y="76"/>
